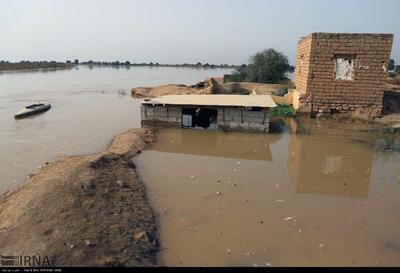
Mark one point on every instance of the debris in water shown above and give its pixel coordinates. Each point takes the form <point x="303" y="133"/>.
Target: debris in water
<point x="213" y="195"/>
<point x="192" y="176"/>
<point x="238" y="162"/>
<point x="267" y="264"/>
<point x="289" y="218"/>
<point x="234" y="170"/>
<point x="228" y="251"/>
<point x="321" y="245"/>
<point x="279" y="200"/>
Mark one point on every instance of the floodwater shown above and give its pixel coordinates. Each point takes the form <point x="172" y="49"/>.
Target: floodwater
<point x="320" y="198"/>
<point x="89" y="107"/>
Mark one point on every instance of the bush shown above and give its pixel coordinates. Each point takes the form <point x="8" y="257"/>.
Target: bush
<point x="282" y="111"/>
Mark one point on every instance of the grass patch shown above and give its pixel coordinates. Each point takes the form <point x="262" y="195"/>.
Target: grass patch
<point x="282" y="111"/>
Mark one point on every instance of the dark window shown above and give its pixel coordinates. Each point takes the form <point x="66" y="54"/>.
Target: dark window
<point x="199" y="118"/>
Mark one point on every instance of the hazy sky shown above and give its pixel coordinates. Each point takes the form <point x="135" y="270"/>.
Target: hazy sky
<point x="177" y="31"/>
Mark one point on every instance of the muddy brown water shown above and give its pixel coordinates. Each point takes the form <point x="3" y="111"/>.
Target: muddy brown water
<point x="231" y="199"/>
<point x="89" y="107"/>
<point x="286" y="199"/>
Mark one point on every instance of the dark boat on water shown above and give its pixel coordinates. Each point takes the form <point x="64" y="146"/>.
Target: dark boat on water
<point x="32" y="110"/>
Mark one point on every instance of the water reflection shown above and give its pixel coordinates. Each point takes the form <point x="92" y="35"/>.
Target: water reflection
<point x="215" y="143"/>
<point x="36" y="70"/>
<point x="327" y="162"/>
<point x="310" y="197"/>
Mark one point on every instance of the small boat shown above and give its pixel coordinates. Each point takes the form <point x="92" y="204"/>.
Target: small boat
<point x="32" y="110"/>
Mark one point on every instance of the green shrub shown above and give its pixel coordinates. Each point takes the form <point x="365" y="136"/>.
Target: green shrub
<point x="282" y="111"/>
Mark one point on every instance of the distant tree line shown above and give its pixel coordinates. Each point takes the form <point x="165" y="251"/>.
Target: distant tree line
<point x="156" y="64"/>
<point x="5" y="65"/>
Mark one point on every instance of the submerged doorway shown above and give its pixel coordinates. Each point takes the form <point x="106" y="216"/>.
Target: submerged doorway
<point x="199" y="118"/>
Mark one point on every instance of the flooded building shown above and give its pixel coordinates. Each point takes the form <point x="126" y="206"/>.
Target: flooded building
<point x="226" y="112"/>
<point x="341" y="73"/>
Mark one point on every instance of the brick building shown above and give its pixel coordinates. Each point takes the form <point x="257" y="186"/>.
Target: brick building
<point x="341" y="73"/>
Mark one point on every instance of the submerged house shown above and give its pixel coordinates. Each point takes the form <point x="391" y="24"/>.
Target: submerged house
<point x="226" y="112"/>
<point x="341" y="73"/>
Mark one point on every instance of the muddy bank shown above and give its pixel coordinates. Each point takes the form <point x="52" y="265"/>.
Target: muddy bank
<point x="88" y="210"/>
<point x="209" y="86"/>
<point x="173" y="89"/>
<point x="392" y="120"/>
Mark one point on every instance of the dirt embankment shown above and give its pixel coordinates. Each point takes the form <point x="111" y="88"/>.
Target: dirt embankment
<point x="88" y="210"/>
<point x="209" y="86"/>
<point x="173" y="89"/>
<point x="393" y="83"/>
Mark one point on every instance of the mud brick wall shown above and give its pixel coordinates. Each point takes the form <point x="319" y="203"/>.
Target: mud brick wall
<point x="239" y="119"/>
<point x="320" y="91"/>
<point x="157" y="115"/>
<point x="301" y="73"/>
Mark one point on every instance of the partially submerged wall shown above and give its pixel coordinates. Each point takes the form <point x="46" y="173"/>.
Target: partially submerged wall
<point x="229" y="118"/>
<point x="342" y="73"/>
<point x="239" y="119"/>
<point x="158" y="115"/>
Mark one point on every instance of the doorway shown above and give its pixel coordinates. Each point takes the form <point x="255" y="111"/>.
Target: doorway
<point x="202" y="118"/>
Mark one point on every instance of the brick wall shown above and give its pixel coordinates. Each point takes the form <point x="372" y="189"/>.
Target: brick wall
<point x="320" y="91"/>
<point x="301" y="73"/>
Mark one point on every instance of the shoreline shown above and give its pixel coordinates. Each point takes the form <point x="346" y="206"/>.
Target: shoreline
<point x="85" y="210"/>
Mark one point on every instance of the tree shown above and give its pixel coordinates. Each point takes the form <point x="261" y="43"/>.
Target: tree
<point x="239" y="75"/>
<point x="267" y="66"/>
<point x="392" y="65"/>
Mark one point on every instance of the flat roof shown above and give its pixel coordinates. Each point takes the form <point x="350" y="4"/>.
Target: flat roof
<point x="264" y="101"/>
